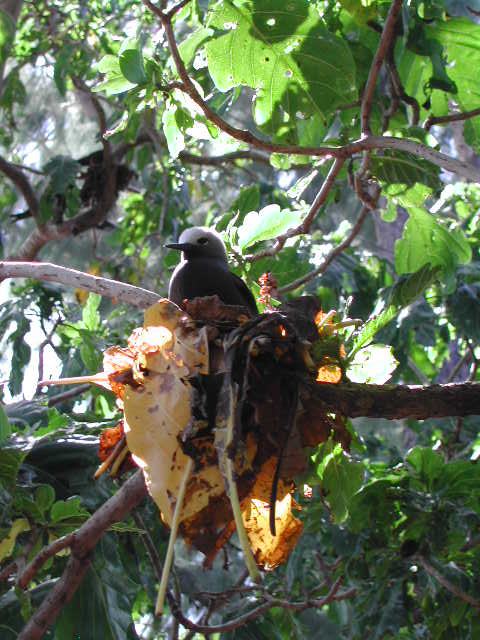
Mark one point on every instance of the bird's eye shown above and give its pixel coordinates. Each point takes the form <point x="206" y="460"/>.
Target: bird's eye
<point x="202" y="241"/>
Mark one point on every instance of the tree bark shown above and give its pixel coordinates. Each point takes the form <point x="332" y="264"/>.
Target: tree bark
<point x="399" y="401"/>
<point x="86" y="538"/>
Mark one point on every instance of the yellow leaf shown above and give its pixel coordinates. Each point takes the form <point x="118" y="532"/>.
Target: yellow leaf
<point x="7" y="545"/>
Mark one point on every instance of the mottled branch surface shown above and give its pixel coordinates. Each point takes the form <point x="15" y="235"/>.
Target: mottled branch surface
<point x="399" y="401"/>
<point x="84" y="541"/>
<point x="47" y="272"/>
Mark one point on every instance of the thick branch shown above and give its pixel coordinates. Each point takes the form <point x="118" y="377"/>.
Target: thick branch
<point x="386" y="40"/>
<point x="47" y="272"/>
<point x="85" y="539"/>
<point x="18" y="178"/>
<point x="399" y="401"/>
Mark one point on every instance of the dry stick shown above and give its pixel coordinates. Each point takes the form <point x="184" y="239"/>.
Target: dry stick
<point x="47" y="272"/>
<point x="453" y="117"/>
<point x="84" y="541"/>
<point x="447" y="584"/>
<point x="173" y="536"/>
<point x="336" y="251"/>
<point x="383" y="46"/>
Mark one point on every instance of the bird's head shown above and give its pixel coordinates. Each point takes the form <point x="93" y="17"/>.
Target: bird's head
<point x="200" y="242"/>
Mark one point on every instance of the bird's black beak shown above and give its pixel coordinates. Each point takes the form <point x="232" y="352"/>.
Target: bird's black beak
<point x="179" y="246"/>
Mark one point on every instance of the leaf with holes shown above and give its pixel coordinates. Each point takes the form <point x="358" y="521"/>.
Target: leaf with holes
<point x="285" y="53"/>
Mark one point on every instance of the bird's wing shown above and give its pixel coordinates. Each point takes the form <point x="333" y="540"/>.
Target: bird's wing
<point x="250" y="301"/>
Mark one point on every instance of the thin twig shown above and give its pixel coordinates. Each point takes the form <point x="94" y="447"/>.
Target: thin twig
<point x="447" y="584"/>
<point x="39" y="560"/>
<point x="387" y="36"/>
<point x="149" y="544"/>
<point x="334" y="253"/>
<point x="68" y="395"/>
<point x="47" y="272"/>
<point x="260" y="610"/>
<point x="452" y="117"/>
<point x="304" y="227"/>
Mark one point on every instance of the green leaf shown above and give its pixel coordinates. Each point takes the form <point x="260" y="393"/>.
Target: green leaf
<point x="428" y="464"/>
<point x="190" y="45"/>
<point x="90" y="315"/>
<point x="285" y="53"/>
<point x="404" y="169"/>
<point x="173" y="133"/>
<point x="7" y="34"/>
<point x="269" y="222"/>
<point x="373" y="364"/>
<point x="460" y="38"/>
<point x="5" y="427"/>
<point x="401" y="296"/>
<point x="90" y="354"/>
<point x="115" y="81"/>
<point x="425" y="241"/>
<point x="44" y="497"/>
<point x="10" y="461"/>
<point x="66" y="509"/>
<point x="62" y="171"/>
<point x="131" y="65"/>
<point x="340" y="479"/>
<point x="61" y="68"/>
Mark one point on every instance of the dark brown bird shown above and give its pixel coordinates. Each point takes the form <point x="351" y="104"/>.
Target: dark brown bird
<point x="204" y="271"/>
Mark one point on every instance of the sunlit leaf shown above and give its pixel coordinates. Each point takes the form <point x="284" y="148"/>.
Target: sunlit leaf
<point x="282" y="51"/>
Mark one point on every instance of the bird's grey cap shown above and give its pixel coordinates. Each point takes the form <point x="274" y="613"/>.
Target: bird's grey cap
<point x="200" y="242"/>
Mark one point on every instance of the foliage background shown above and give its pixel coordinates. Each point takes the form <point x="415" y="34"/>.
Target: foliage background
<point x="106" y="156"/>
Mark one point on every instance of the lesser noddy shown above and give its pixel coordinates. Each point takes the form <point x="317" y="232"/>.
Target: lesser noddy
<point x="204" y="271"/>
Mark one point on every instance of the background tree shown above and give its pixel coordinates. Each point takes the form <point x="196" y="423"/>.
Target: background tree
<point x="334" y="144"/>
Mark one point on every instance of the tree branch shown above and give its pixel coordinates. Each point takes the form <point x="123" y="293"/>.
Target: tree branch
<point x="84" y="541"/>
<point x="366" y="143"/>
<point x="447" y="584"/>
<point x="388" y="35"/>
<point x="452" y="117"/>
<point x="39" y="560"/>
<point x="336" y="251"/>
<point x="260" y="610"/>
<point x="394" y="402"/>
<point x="18" y="178"/>
<point x="47" y="272"/>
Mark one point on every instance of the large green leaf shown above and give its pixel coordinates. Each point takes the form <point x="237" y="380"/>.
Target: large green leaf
<point x="285" y="53"/>
<point x="460" y="38"/>
<point x="268" y="223"/>
<point x="425" y="241"/>
<point x="404" y="169"/>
